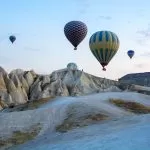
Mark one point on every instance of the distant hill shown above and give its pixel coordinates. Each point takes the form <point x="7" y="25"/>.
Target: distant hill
<point x="142" y="79"/>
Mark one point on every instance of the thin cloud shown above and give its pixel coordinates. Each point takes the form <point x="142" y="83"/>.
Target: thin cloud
<point x="142" y="42"/>
<point x="31" y="49"/>
<point x="105" y="17"/>
<point x="140" y="65"/>
<point x="144" y="33"/>
<point x="84" y="4"/>
<point x="143" y="36"/>
<point x="140" y="13"/>
<point x="146" y="54"/>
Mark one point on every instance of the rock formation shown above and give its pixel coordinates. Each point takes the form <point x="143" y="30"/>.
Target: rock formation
<point x="20" y="86"/>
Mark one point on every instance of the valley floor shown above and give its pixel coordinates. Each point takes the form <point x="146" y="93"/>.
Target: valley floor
<point x="123" y="130"/>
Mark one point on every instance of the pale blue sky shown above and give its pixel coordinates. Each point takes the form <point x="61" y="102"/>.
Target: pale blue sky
<point x="41" y="44"/>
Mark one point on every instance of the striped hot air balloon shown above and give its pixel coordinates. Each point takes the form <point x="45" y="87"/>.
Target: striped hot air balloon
<point x="104" y="45"/>
<point x="130" y="53"/>
<point x="75" y="32"/>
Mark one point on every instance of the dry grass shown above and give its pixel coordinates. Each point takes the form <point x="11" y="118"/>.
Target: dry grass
<point x="31" y="105"/>
<point x="37" y="103"/>
<point x="70" y="123"/>
<point x="19" y="137"/>
<point x="131" y="106"/>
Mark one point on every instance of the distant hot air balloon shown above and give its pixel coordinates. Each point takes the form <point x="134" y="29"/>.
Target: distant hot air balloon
<point x="75" y="32"/>
<point x="104" y="45"/>
<point x="12" y="38"/>
<point x="130" y="53"/>
<point x="72" y="66"/>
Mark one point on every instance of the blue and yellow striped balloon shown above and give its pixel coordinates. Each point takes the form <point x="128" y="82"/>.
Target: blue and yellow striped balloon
<point x="104" y="45"/>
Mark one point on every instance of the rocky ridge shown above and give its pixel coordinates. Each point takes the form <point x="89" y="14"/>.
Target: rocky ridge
<point x="19" y="86"/>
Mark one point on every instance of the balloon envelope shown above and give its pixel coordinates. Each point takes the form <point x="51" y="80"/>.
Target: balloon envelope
<point x="104" y="45"/>
<point x="75" y="32"/>
<point x="130" y="53"/>
<point x="12" y="38"/>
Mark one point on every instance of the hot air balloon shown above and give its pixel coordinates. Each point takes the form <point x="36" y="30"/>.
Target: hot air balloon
<point x="130" y="53"/>
<point x="12" y="38"/>
<point x="104" y="45"/>
<point x="75" y="32"/>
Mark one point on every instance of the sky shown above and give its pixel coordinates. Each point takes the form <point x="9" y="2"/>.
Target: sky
<point x="42" y="46"/>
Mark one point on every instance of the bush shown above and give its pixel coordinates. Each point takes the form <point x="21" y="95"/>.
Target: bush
<point x="131" y="106"/>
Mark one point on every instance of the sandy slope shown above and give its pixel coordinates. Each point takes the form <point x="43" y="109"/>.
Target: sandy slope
<point x="53" y="113"/>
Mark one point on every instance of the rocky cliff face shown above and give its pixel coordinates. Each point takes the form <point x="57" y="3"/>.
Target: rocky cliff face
<point x="19" y="87"/>
<point x="142" y="79"/>
<point x="14" y="87"/>
<point x="68" y="83"/>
